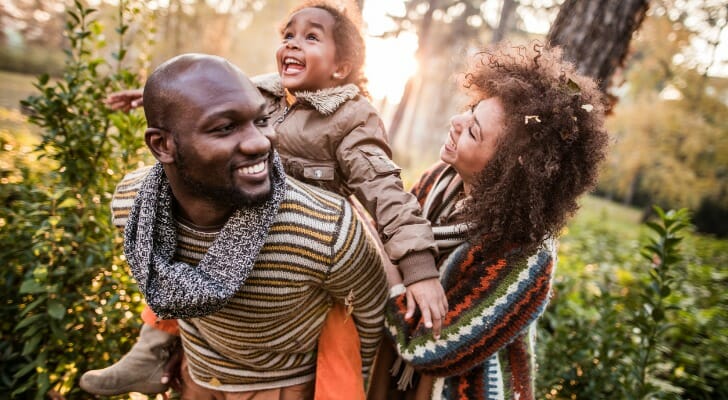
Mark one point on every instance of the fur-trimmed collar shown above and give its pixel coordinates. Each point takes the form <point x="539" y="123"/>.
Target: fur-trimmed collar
<point x="325" y="101"/>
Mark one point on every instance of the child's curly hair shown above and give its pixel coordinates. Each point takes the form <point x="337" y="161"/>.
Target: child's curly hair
<point x="550" y="153"/>
<point x="350" y="45"/>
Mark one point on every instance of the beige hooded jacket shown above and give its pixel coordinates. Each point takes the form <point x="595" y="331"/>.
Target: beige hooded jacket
<point x="333" y="138"/>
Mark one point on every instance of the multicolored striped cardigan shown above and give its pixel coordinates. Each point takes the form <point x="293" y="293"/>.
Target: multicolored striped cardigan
<point x="485" y="350"/>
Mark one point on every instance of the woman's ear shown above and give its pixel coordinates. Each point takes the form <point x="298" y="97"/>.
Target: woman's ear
<point x="342" y="71"/>
<point x="161" y="143"/>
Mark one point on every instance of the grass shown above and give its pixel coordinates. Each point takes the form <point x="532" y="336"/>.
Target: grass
<point x="15" y="87"/>
<point x="607" y="214"/>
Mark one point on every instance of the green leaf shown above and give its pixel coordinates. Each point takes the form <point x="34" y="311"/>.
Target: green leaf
<point x="27" y="368"/>
<point x="68" y="202"/>
<point x="41" y="298"/>
<point x="573" y="87"/>
<point x="27" y="321"/>
<point x="31" y="286"/>
<point x="75" y="18"/>
<point x="31" y="345"/>
<point x="659" y="229"/>
<point x="56" y="309"/>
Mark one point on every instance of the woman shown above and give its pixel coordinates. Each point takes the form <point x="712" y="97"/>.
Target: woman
<point x="513" y="167"/>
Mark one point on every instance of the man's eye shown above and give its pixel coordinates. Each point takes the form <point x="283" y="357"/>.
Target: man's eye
<point x="262" y="121"/>
<point x="226" y="128"/>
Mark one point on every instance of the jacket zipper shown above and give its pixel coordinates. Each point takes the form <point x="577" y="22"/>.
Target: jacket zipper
<point x="282" y="117"/>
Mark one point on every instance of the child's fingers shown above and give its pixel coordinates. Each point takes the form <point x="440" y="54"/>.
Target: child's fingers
<point x="411" y="304"/>
<point x="427" y="318"/>
<point x="436" y="323"/>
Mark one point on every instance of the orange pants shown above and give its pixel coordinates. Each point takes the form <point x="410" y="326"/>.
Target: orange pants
<point x="338" y="364"/>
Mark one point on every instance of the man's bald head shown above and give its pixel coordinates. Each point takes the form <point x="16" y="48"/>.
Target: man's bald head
<point x="165" y="90"/>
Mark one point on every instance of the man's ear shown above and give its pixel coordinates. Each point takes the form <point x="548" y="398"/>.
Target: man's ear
<point x="161" y="143"/>
<point x="342" y="71"/>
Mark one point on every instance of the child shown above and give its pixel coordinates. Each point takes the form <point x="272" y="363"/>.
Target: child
<point x="329" y="135"/>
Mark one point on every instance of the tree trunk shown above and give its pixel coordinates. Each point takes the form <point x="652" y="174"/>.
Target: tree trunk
<point x="595" y="34"/>
<point x="422" y="52"/>
<point x="508" y="11"/>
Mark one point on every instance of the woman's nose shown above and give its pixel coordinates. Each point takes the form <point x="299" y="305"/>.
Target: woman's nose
<point x="459" y="121"/>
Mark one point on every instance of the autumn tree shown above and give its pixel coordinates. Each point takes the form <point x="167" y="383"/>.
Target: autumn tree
<point x="671" y="141"/>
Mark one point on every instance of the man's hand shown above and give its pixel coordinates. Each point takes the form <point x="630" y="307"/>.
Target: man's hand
<point x="125" y="100"/>
<point x="429" y="296"/>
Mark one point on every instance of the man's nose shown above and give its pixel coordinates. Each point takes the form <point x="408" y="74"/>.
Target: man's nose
<point x="254" y="142"/>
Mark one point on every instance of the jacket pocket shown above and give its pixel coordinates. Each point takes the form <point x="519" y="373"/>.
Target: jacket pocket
<point x="319" y="171"/>
<point x="381" y="164"/>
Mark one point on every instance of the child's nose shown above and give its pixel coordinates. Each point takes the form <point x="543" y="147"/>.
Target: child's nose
<point x="292" y="43"/>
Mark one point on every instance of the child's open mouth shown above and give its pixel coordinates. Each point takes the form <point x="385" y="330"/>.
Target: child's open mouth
<point x="292" y="65"/>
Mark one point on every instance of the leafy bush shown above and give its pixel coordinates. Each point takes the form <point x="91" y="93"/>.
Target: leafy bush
<point x="67" y="301"/>
<point x="634" y="324"/>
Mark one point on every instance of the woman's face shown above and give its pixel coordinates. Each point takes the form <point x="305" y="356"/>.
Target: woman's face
<point x="472" y="139"/>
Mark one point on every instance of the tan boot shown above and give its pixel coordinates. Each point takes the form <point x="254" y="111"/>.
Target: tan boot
<point x="140" y="370"/>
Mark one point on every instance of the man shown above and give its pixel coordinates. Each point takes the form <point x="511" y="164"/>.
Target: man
<point x="248" y="260"/>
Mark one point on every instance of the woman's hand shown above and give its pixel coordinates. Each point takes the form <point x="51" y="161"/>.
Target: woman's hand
<point x="125" y="100"/>
<point x="429" y="296"/>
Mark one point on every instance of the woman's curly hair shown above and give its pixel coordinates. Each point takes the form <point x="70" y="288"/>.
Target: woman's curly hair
<point x="350" y="46"/>
<point x="550" y="153"/>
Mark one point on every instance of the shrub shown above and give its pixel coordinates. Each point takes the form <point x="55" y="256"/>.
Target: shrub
<point x="636" y="322"/>
<point x="68" y="302"/>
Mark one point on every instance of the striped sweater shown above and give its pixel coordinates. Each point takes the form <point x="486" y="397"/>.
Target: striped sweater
<point x="316" y="253"/>
<point x="486" y="348"/>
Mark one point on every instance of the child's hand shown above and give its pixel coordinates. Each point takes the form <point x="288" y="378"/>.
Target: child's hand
<point x="125" y="100"/>
<point x="172" y="375"/>
<point x="429" y="296"/>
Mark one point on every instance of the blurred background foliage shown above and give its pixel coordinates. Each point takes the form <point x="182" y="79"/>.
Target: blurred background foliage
<point x="619" y="326"/>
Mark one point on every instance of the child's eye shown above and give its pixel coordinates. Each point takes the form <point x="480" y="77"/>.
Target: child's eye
<point x="311" y="36"/>
<point x="262" y="122"/>
<point x="287" y="36"/>
<point x="470" y="132"/>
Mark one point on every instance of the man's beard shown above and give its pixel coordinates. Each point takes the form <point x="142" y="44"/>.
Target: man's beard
<point x="223" y="195"/>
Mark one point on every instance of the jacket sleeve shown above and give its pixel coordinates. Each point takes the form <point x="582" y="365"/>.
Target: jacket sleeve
<point x="491" y="304"/>
<point x="370" y="174"/>
<point x="357" y="279"/>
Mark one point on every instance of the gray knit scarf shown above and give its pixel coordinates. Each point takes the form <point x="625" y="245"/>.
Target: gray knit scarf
<point x="178" y="290"/>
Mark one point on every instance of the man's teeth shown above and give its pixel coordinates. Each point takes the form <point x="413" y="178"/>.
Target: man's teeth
<point x="254" y="169"/>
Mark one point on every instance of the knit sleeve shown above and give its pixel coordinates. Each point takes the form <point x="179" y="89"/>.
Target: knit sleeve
<point x="490" y="304"/>
<point x="357" y="279"/>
